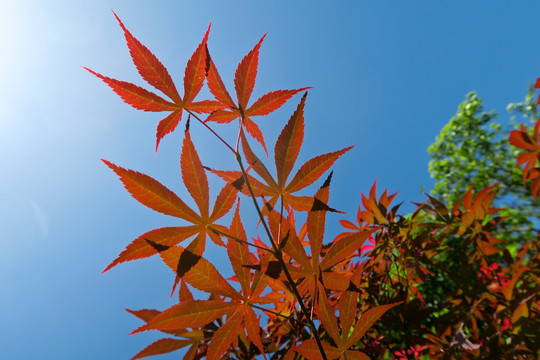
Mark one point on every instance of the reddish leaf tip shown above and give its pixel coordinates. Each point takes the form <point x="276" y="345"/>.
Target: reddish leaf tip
<point x="92" y="72"/>
<point x="328" y="180"/>
<point x="119" y="21"/>
<point x="138" y="330"/>
<point x="207" y="32"/>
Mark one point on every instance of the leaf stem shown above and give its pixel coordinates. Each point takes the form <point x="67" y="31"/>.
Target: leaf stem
<point x="211" y="130"/>
<point x="272" y="312"/>
<point x="219" y="232"/>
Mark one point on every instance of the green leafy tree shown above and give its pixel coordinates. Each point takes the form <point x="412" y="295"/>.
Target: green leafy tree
<point x="473" y="149"/>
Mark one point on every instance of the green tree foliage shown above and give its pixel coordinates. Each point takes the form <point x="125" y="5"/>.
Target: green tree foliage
<point x="473" y="149"/>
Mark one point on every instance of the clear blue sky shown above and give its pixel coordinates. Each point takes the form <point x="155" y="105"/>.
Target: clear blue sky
<point x="386" y="76"/>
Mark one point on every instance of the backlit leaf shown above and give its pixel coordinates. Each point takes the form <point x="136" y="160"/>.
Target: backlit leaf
<point x="271" y="101"/>
<point x="289" y="143"/>
<point x="195" y="71"/>
<point x="216" y="85"/>
<point x="224" y="202"/>
<point x="222" y="116"/>
<point x="255" y="132"/>
<point x="198" y="272"/>
<point x="253" y="330"/>
<point x="189" y="314"/>
<point x="136" y="96"/>
<point x="255" y="162"/>
<point x="153" y="194"/>
<point x="194" y="176"/>
<point x="245" y="75"/>
<point x="313" y="169"/>
<point x="167" y="125"/>
<point x="162" y="346"/>
<point x="184" y="294"/>
<point x="239" y="252"/>
<point x="347" y="311"/>
<point x="148" y="65"/>
<point x="344" y="247"/>
<point x="316" y="222"/>
<point x="327" y="316"/>
<point x="141" y="248"/>
<point x="145" y="314"/>
<point x="206" y="106"/>
<point x="224" y="336"/>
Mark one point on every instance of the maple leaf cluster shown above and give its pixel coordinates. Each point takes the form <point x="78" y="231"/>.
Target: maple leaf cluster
<point x="525" y="141"/>
<point x="295" y="293"/>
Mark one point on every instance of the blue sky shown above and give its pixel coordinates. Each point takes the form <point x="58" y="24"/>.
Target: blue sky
<point x="386" y="77"/>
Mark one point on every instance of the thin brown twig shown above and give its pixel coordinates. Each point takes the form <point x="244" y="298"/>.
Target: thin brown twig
<point x="211" y="130"/>
<point x="219" y="232"/>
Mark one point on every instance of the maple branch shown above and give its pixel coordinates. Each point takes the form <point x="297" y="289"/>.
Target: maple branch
<point x="240" y="240"/>
<point x="211" y="130"/>
<point x="273" y="312"/>
<point x="279" y="257"/>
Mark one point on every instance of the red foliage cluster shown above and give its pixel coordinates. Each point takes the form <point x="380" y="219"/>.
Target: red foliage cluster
<point x="523" y="140"/>
<point x="297" y="293"/>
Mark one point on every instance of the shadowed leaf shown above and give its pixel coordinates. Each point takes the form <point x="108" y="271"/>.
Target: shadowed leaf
<point x="151" y="242"/>
<point x="366" y="321"/>
<point x="186" y="261"/>
<point x="202" y="275"/>
<point x="310" y="350"/>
